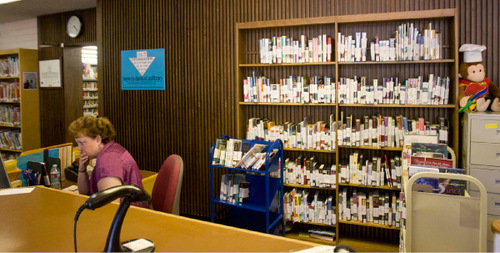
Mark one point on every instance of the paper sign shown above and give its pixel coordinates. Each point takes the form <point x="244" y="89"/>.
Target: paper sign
<point x="143" y="69"/>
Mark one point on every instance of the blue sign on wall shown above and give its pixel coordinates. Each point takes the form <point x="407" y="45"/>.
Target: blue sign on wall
<point x="143" y="69"/>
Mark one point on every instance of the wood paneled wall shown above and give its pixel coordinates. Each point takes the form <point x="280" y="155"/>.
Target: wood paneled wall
<point x="198" y="104"/>
<point x="59" y="107"/>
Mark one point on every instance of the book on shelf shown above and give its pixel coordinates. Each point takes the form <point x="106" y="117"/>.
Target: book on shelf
<point x="414" y="138"/>
<point x="322" y="234"/>
<point x="261" y="159"/>
<point x="9" y="66"/>
<point x="317" y="136"/>
<point x="431" y="161"/>
<point x="442" y="185"/>
<point x="250" y="157"/>
<point x="10" y="91"/>
<point x="306" y="171"/>
<point x="393" y="91"/>
<point x="284" y="49"/>
<point x="376" y="171"/>
<point x="230" y="188"/>
<point x="292" y="89"/>
<point x="429" y="150"/>
<point x="371" y="206"/>
<point x="407" y="43"/>
<point x="300" y="205"/>
<point x="384" y="131"/>
<point x="219" y="144"/>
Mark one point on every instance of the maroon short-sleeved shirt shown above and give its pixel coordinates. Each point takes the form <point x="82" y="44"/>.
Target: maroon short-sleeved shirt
<point x="115" y="161"/>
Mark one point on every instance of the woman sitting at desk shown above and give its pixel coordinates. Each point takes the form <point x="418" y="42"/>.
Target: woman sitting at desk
<point x="114" y="165"/>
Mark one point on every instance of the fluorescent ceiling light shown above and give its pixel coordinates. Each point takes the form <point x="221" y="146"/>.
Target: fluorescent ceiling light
<point x="8" y="1"/>
<point x="89" y="52"/>
<point x="90" y="47"/>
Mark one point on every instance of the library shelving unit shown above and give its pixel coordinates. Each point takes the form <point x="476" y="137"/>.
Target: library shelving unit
<point x="263" y="211"/>
<point x="19" y="103"/>
<point x="90" y="90"/>
<point x="382" y="25"/>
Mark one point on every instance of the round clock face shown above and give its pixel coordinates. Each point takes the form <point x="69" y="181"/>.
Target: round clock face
<point x="73" y="27"/>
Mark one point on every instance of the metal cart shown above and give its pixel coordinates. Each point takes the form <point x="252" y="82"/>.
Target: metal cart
<point x="440" y="222"/>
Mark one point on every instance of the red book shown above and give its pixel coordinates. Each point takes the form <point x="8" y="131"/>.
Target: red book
<point x="430" y="161"/>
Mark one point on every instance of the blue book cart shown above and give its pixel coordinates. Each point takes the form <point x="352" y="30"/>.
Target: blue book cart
<point x="264" y="209"/>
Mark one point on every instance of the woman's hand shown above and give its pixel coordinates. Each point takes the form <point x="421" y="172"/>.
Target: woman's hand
<point x="84" y="161"/>
<point x="83" y="178"/>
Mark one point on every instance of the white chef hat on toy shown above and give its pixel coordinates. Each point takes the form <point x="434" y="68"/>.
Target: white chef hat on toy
<point x="472" y="52"/>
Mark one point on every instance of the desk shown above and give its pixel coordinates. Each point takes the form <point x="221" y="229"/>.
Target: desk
<point x="43" y="221"/>
<point x="148" y="181"/>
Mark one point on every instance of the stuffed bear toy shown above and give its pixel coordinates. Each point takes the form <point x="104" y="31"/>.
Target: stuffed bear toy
<point x="476" y="91"/>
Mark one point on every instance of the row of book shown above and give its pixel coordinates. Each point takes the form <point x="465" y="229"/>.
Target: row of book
<point x="386" y="131"/>
<point x="90" y="104"/>
<point x="435" y="185"/>
<point x="89" y="71"/>
<point x="407" y="44"/>
<point x="10" y="115"/>
<point x="307" y="171"/>
<point x="284" y="49"/>
<point x="413" y="91"/>
<point x="238" y="154"/>
<point x="352" y="49"/>
<point x="9" y="92"/>
<point x="371" y="206"/>
<point x="9" y="67"/>
<point x="414" y="45"/>
<point x="377" y="171"/>
<point x="90" y="95"/>
<point x="90" y="86"/>
<point x="299" y="89"/>
<point x="91" y="112"/>
<point x="6" y="156"/>
<point x="316" y="136"/>
<point x="322" y="234"/>
<point x="433" y="157"/>
<point x="10" y="139"/>
<point x="302" y="206"/>
<point x="234" y="189"/>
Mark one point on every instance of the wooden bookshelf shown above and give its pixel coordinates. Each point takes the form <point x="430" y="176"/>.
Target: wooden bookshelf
<point x="90" y="95"/>
<point x="372" y="148"/>
<point x="309" y="150"/>
<point x="2" y="125"/>
<point x="287" y="64"/>
<point x="29" y="102"/>
<point x="308" y="187"/>
<point x="317" y="224"/>
<point x="368" y="224"/>
<point x="370" y="186"/>
<point x="397" y="106"/>
<point x="285" y="104"/>
<point x="305" y="237"/>
<point x="382" y="24"/>
<point x="397" y="62"/>
<point x="11" y="150"/>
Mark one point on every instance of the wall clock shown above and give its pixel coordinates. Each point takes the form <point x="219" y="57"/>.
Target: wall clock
<point x="74" y="26"/>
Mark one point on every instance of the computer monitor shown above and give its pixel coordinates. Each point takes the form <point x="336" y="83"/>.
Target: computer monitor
<point x="4" y="178"/>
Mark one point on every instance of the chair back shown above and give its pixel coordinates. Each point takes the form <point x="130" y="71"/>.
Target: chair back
<point x="167" y="188"/>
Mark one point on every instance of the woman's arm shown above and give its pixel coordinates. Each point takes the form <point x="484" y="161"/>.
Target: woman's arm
<point x="108" y="182"/>
<point x="83" y="177"/>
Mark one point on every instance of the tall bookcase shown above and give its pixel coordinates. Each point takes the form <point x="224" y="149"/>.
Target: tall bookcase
<point x="381" y="24"/>
<point x="90" y="90"/>
<point x="20" y="103"/>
